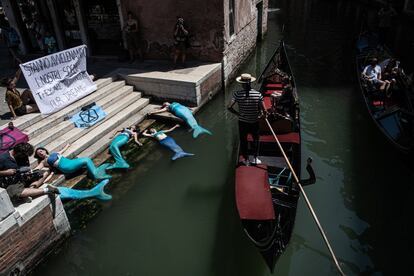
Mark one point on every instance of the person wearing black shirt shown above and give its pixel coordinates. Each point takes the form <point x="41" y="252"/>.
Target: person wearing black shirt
<point x="9" y="168"/>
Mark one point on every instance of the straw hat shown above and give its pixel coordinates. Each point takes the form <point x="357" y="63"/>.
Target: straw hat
<point x="245" y="78"/>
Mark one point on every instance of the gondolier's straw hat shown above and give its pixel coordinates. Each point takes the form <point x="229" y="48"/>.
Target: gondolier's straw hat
<point x="245" y="78"/>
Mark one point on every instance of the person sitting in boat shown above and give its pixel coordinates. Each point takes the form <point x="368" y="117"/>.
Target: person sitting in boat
<point x="120" y="140"/>
<point x="19" y="181"/>
<point x="185" y="114"/>
<point x="372" y="73"/>
<point x="391" y="70"/>
<point x="56" y="161"/>
<point x="19" y="103"/>
<point x="167" y="141"/>
<point x="250" y="103"/>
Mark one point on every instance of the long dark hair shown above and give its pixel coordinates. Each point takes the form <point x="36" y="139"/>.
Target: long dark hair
<point x="36" y="155"/>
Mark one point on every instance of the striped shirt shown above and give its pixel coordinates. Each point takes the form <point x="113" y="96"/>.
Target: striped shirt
<point x="249" y="107"/>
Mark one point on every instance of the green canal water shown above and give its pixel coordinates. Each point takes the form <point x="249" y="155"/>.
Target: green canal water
<point x="179" y="218"/>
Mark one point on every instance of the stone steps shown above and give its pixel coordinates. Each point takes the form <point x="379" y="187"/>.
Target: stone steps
<point x="82" y="138"/>
<point x="45" y="137"/>
<point x="72" y="109"/>
<point x="25" y="121"/>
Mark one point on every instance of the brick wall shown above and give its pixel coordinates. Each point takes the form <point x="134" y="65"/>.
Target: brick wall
<point x="28" y="234"/>
<point x="238" y="47"/>
<point x="157" y="19"/>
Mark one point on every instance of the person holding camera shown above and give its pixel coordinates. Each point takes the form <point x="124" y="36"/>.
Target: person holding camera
<point x="181" y="40"/>
<point x="21" y="182"/>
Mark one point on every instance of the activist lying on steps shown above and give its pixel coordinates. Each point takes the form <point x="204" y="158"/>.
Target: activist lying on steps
<point x="57" y="161"/>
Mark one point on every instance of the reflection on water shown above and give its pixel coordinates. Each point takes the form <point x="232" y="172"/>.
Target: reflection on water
<point x="180" y="219"/>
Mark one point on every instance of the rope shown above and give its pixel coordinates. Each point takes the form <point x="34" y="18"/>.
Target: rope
<point x="307" y="201"/>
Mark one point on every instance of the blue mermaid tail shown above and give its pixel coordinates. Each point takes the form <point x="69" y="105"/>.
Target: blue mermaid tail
<point x="96" y="192"/>
<point x="172" y="145"/>
<point x="186" y="115"/>
<point x="118" y="142"/>
<point x="69" y="166"/>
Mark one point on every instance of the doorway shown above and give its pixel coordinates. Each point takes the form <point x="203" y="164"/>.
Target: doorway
<point x="103" y="26"/>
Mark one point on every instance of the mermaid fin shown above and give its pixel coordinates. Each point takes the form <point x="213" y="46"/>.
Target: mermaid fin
<point x="118" y="165"/>
<point x="96" y="192"/>
<point x="199" y="130"/>
<point x="101" y="171"/>
<point x="180" y="155"/>
<point x="99" y="192"/>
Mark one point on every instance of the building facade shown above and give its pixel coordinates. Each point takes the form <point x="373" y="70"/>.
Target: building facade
<point x="220" y="30"/>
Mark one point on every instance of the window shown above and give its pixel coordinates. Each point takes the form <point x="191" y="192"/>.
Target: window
<point x="231" y="17"/>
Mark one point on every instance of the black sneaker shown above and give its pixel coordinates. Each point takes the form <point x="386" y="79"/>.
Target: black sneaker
<point x="52" y="189"/>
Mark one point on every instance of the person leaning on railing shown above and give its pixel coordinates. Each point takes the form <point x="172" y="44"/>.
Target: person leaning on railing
<point x="21" y="182"/>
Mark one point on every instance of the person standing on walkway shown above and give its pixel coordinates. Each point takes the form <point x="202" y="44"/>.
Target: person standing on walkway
<point x="250" y="103"/>
<point x="181" y="41"/>
<point x="132" y="36"/>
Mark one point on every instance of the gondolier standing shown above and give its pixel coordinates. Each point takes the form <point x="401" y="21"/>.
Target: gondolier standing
<point x="250" y="103"/>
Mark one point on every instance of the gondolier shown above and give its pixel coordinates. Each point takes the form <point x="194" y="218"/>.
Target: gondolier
<point x="250" y="103"/>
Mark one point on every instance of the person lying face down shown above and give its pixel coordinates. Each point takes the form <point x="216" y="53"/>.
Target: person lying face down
<point x="65" y="165"/>
<point x="120" y="140"/>
<point x="185" y="114"/>
<point x="21" y="182"/>
<point x="167" y="141"/>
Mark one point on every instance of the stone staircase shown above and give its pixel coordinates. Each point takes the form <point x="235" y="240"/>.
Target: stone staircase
<point x="123" y="105"/>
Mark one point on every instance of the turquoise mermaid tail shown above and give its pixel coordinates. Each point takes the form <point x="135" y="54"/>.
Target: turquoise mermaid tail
<point x="96" y="192"/>
<point x="172" y="145"/>
<point x="186" y="115"/>
<point x="67" y="165"/>
<point x="118" y="142"/>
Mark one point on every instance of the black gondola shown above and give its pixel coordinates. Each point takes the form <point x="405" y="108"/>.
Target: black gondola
<point x="266" y="194"/>
<point x="392" y="112"/>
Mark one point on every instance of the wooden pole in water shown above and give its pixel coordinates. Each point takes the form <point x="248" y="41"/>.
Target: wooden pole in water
<point x="315" y="218"/>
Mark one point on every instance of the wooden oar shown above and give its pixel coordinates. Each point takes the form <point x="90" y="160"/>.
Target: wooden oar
<point x="315" y="218"/>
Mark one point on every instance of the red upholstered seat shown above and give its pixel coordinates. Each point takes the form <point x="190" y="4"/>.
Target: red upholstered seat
<point x="253" y="196"/>
<point x="274" y="85"/>
<point x="267" y="102"/>
<point x="292" y="137"/>
<point x="270" y="91"/>
<point x="378" y="103"/>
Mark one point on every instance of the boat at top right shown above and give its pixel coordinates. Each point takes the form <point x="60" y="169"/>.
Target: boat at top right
<point x="386" y="91"/>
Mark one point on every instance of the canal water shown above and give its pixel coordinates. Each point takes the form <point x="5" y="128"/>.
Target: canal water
<point x="179" y="218"/>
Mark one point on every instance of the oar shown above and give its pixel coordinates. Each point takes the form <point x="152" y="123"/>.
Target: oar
<point x="307" y="200"/>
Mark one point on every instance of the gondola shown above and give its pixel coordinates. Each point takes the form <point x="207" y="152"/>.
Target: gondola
<point x="392" y="112"/>
<point x="266" y="194"/>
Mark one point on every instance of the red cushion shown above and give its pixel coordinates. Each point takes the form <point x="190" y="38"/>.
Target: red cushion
<point x="267" y="102"/>
<point x="270" y="91"/>
<point x="378" y="103"/>
<point x="274" y="85"/>
<point x="253" y="196"/>
<point x="291" y="137"/>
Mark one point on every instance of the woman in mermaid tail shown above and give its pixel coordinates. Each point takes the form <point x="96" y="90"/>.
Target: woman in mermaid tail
<point x="167" y="141"/>
<point x="121" y="139"/>
<point x="56" y="160"/>
<point x="185" y="114"/>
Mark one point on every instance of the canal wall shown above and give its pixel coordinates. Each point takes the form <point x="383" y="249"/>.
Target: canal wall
<point x="28" y="232"/>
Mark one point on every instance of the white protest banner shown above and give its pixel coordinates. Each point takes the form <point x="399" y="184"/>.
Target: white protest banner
<point x="59" y="79"/>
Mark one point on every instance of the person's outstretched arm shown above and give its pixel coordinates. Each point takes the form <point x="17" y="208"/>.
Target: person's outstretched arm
<point x="146" y="134"/>
<point x="164" y="109"/>
<point x="171" y="129"/>
<point x="136" y="139"/>
<point x="64" y="149"/>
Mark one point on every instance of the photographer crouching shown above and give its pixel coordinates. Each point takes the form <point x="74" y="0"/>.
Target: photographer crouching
<point x="21" y="182"/>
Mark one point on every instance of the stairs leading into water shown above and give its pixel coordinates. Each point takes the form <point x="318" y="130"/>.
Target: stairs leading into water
<point x="123" y="105"/>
